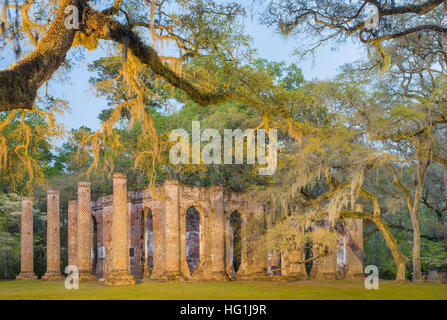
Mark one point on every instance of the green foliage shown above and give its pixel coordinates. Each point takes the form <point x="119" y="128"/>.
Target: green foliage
<point x="9" y="235"/>
<point x="10" y="208"/>
<point x="434" y="254"/>
<point x="27" y="161"/>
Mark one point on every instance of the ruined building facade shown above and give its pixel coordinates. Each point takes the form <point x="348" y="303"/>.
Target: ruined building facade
<point x="189" y="233"/>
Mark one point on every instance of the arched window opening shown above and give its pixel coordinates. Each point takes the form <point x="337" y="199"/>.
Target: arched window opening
<point x="146" y="241"/>
<point x="274" y="263"/>
<point x="308" y="255"/>
<point x="341" y="255"/>
<point x="192" y="238"/>
<point x="235" y="241"/>
<point x="150" y="241"/>
<point x="94" y="244"/>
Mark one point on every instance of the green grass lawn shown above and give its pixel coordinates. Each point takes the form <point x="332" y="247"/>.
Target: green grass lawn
<point x="232" y="290"/>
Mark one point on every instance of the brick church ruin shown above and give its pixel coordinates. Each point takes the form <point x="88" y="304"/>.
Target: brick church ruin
<point x="189" y="233"/>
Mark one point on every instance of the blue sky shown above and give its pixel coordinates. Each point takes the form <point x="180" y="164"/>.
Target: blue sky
<point x="85" y="106"/>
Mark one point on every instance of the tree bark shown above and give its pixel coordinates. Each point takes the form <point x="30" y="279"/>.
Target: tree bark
<point x="398" y="256"/>
<point x="413" y="208"/>
<point x="417" y="268"/>
<point x="19" y="84"/>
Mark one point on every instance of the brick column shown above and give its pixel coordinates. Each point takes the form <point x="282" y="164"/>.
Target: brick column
<point x="120" y="250"/>
<point x="172" y="213"/>
<point x="354" y="239"/>
<point x="295" y="269"/>
<point x="244" y="269"/>
<point x="26" y="241"/>
<point x="159" y="243"/>
<point x="53" y="238"/>
<point x="217" y="234"/>
<point x="72" y="232"/>
<point x="325" y="268"/>
<point x="84" y="244"/>
<point x="254" y="263"/>
<point x="259" y="256"/>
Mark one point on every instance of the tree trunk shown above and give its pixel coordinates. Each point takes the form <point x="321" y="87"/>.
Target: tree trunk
<point x="417" y="269"/>
<point x="19" y="84"/>
<point x="413" y="207"/>
<point x="399" y="257"/>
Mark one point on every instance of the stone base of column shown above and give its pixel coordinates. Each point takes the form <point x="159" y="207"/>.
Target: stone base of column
<point x="257" y="276"/>
<point x="280" y="278"/>
<point x="53" y="276"/>
<point x="326" y="276"/>
<point x="146" y="272"/>
<point x="172" y="276"/>
<point x="354" y="276"/>
<point x="119" y="278"/>
<point x="85" y="276"/>
<point x="155" y="276"/>
<point x="242" y="276"/>
<point x="232" y="277"/>
<point x="220" y="276"/>
<point x="298" y="275"/>
<point x="156" y="273"/>
<point x="242" y="272"/>
<point x="26" y="276"/>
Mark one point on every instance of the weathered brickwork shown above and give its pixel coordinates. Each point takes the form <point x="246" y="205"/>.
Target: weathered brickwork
<point x="354" y="249"/>
<point x="325" y="268"/>
<point x="26" y="241"/>
<point x="72" y="231"/>
<point x="164" y="245"/>
<point x="53" y="237"/>
<point x="102" y="211"/>
<point x="84" y="232"/>
<point x="138" y="236"/>
<point x="120" y="235"/>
